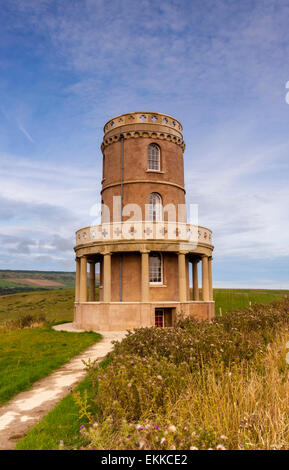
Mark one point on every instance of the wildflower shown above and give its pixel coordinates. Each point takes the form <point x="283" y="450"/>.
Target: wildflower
<point x="159" y="377"/>
<point x="94" y="425"/>
<point x="220" y="447"/>
<point x="172" y="428"/>
<point x="163" y="439"/>
<point x="223" y="437"/>
<point x="156" y="427"/>
<point x="61" y="443"/>
<point x="129" y="385"/>
<point x="82" y="426"/>
<point x="193" y="448"/>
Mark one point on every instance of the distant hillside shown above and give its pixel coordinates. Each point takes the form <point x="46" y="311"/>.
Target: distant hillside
<point x="12" y="282"/>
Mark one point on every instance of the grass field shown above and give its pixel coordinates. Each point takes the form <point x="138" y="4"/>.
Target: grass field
<point x="234" y="396"/>
<point x="29" y="354"/>
<point x="12" y="282"/>
<point x="57" y="305"/>
<point x="231" y="299"/>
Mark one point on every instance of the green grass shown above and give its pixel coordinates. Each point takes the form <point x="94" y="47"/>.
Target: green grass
<point x="28" y="355"/>
<point x="233" y="299"/>
<point x="62" y="423"/>
<point x="56" y="305"/>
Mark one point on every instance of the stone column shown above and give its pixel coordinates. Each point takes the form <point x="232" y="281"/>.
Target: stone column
<point x="77" y="279"/>
<point x="182" y="277"/>
<point x="83" y="280"/>
<point x="195" y="280"/>
<point x="145" y="286"/>
<point x="107" y="277"/>
<point x="205" y="278"/>
<point x="92" y="281"/>
<point x="211" y="294"/>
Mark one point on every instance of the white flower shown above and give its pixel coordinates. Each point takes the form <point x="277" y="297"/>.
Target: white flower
<point x="220" y="447"/>
<point x="193" y="448"/>
<point x="223" y="437"/>
<point x="172" y="428"/>
<point x="163" y="439"/>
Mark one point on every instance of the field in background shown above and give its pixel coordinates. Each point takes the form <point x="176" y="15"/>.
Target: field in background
<point x="57" y="304"/>
<point x="234" y="299"/>
<point x="13" y="282"/>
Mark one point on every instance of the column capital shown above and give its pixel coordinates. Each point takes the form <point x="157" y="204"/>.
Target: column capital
<point x="106" y="253"/>
<point x="182" y="252"/>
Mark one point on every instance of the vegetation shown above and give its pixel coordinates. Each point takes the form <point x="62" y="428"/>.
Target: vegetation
<point x="209" y="385"/>
<point x="56" y="305"/>
<point x="12" y="282"/>
<point x="62" y="425"/>
<point x="232" y="299"/>
<point x="28" y="354"/>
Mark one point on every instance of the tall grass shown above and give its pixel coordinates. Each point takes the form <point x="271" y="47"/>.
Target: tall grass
<point x="209" y="385"/>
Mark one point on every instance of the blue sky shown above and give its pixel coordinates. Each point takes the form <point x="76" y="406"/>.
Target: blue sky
<point x="220" y="67"/>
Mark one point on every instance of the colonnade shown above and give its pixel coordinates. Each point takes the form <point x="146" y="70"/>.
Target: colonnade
<point x="81" y="278"/>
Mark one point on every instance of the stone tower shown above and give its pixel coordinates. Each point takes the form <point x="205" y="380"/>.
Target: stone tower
<point x="144" y="245"/>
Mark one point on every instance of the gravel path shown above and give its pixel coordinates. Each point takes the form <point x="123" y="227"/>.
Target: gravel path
<point x="27" y="408"/>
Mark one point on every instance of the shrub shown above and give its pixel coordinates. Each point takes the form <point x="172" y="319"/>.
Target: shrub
<point x="161" y="386"/>
<point x="25" y="321"/>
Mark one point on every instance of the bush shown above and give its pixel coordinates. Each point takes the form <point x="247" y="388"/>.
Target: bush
<point x="25" y="321"/>
<point x="144" y="395"/>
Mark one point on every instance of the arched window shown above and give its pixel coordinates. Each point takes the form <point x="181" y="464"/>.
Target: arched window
<point x="154" y="157"/>
<point x="155" y="208"/>
<point x="156" y="271"/>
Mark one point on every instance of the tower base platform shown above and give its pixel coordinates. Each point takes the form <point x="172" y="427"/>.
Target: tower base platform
<point x="119" y="316"/>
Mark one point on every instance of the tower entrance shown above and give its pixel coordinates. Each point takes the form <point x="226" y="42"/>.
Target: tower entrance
<point x="163" y="317"/>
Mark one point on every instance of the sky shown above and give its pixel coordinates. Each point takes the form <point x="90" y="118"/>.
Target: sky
<point x="220" y="67"/>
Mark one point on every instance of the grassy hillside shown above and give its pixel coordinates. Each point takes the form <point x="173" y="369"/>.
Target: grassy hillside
<point x="12" y="282"/>
<point x="56" y="305"/>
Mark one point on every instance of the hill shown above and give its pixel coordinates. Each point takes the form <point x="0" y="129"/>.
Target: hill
<point x="13" y="282"/>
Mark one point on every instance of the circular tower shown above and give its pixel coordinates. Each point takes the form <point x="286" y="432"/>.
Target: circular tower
<point x="144" y="245"/>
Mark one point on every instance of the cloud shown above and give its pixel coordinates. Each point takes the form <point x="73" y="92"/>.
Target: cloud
<point x="219" y="67"/>
<point x="26" y="133"/>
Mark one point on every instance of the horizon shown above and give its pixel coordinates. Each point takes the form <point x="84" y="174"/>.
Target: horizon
<point x="221" y="70"/>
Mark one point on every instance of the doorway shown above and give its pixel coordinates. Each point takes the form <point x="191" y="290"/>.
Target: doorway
<point x="163" y="317"/>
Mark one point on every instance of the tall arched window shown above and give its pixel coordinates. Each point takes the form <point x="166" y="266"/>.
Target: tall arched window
<point x="156" y="271"/>
<point x="154" y="157"/>
<point x="155" y="208"/>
